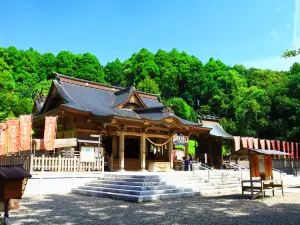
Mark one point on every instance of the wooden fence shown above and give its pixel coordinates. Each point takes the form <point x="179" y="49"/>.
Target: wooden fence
<point x="53" y="163"/>
<point x="284" y="165"/>
<point x="16" y="160"/>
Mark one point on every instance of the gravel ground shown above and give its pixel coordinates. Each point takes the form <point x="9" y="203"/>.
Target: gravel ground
<point x="232" y="209"/>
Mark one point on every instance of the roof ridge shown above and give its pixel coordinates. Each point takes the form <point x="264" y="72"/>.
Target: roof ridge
<point x="58" y="75"/>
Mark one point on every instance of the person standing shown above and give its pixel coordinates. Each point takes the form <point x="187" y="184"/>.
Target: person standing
<point x="186" y="163"/>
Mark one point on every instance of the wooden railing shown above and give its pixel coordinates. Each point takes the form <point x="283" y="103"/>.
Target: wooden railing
<point x="53" y="163"/>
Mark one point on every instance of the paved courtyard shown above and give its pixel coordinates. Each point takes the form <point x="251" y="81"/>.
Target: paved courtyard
<point x="232" y="209"/>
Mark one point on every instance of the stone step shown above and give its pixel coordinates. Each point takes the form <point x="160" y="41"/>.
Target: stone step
<point x="128" y="187"/>
<point x="129" y="183"/>
<point x="131" y="179"/>
<point x="111" y="174"/>
<point x="134" y="198"/>
<point x="135" y="192"/>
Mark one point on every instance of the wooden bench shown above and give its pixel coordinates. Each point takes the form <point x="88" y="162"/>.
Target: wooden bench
<point x="259" y="187"/>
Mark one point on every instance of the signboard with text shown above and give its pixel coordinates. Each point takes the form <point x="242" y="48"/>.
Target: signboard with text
<point x="87" y="154"/>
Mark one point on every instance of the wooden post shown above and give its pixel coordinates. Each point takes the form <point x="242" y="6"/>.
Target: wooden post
<point x="59" y="163"/>
<point x="250" y="167"/>
<point x="143" y="152"/>
<point x="6" y="207"/>
<point x="170" y="147"/>
<point x="102" y="166"/>
<point x="186" y="150"/>
<point x="43" y="163"/>
<point x="114" y="150"/>
<point x="121" y="152"/>
<point x="74" y="163"/>
<point x="31" y="164"/>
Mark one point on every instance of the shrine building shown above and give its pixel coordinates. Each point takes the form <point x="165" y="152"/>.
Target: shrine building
<point x="137" y="129"/>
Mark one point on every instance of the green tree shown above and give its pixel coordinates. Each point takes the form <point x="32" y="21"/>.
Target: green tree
<point x="114" y="73"/>
<point x="148" y="85"/>
<point x="180" y="107"/>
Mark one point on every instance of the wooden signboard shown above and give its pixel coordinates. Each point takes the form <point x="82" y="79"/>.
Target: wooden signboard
<point x="261" y="166"/>
<point x="87" y="154"/>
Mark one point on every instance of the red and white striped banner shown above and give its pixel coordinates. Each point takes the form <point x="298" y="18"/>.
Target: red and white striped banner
<point x="244" y="142"/>
<point x="250" y="142"/>
<point x="26" y="127"/>
<point x="3" y="138"/>
<point x="283" y="148"/>
<point x="268" y="144"/>
<point x="273" y="147"/>
<point x="296" y="150"/>
<point x="278" y="147"/>
<point x="288" y="149"/>
<point x="262" y="144"/>
<point x="50" y="132"/>
<point x="292" y="150"/>
<point x="237" y="142"/>
<point x="13" y="135"/>
<point x="255" y="142"/>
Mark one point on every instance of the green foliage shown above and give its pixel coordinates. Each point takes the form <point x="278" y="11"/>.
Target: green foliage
<point x="148" y="85"/>
<point x="114" y="73"/>
<point x="250" y="102"/>
<point x="180" y="107"/>
<point x="291" y="53"/>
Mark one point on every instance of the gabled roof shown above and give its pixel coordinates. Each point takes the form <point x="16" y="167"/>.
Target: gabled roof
<point x="124" y="95"/>
<point x="15" y="172"/>
<point x="103" y="100"/>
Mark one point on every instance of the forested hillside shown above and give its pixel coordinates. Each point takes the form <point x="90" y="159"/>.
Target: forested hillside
<point x="251" y="102"/>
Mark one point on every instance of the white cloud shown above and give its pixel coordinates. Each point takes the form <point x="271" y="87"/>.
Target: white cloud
<point x="272" y="63"/>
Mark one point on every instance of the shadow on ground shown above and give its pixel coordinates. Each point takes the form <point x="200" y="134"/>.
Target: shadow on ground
<point x="231" y="209"/>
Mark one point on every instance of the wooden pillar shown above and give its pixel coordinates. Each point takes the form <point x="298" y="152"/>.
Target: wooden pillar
<point x="143" y="152"/>
<point x="114" y="150"/>
<point x="186" y="150"/>
<point x="121" y="152"/>
<point x="170" y="147"/>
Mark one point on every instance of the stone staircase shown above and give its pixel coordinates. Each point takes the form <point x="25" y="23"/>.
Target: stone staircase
<point x="140" y="187"/>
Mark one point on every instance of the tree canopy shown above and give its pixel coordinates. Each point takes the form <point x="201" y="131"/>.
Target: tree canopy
<point x="250" y="102"/>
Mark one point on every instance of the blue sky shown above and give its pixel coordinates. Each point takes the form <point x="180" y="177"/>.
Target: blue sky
<point x="254" y="33"/>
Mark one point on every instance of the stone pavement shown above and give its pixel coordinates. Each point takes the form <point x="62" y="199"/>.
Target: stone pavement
<point x="231" y="209"/>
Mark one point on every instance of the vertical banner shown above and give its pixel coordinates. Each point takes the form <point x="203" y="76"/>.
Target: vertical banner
<point x="3" y="138"/>
<point x="237" y="142"/>
<point x="255" y="142"/>
<point x="25" y="124"/>
<point x="292" y="150"/>
<point x="288" y="149"/>
<point x="262" y="144"/>
<point x="296" y="150"/>
<point x="250" y="142"/>
<point x="268" y="144"/>
<point x="255" y="165"/>
<point x="13" y="135"/>
<point x="268" y="166"/>
<point x="283" y="148"/>
<point x="278" y="147"/>
<point x="244" y="142"/>
<point x="50" y="132"/>
<point x="273" y="147"/>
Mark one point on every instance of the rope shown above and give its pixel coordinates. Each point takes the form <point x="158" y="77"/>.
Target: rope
<point x="158" y="145"/>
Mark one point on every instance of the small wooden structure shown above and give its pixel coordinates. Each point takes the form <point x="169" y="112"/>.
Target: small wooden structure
<point x="261" y="171"/>
<point x="13" y="180"/>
